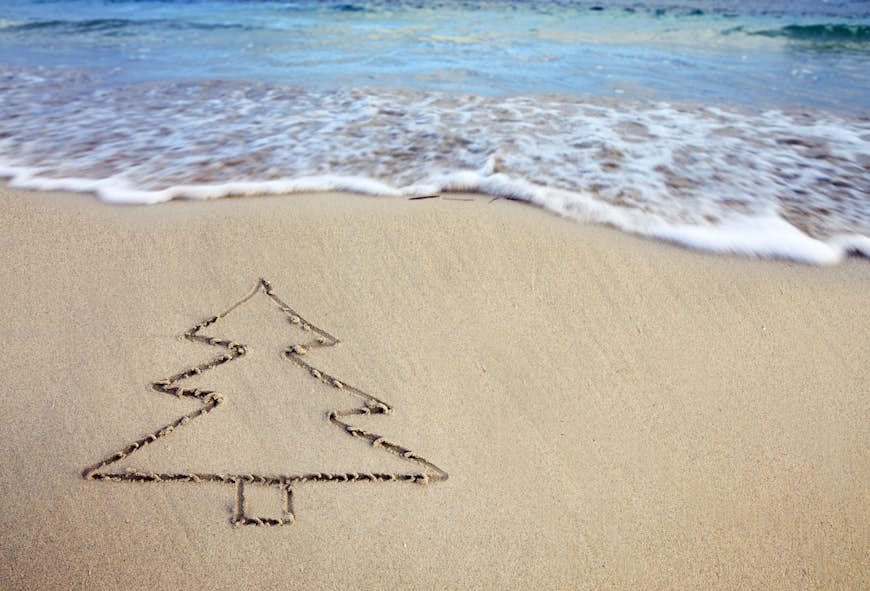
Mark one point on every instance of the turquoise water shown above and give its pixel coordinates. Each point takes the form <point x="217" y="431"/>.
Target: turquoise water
<point x="781" y="56"/>
<point x="735" y="126"/>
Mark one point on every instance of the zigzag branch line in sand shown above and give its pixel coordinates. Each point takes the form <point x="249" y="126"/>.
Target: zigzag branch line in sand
<point x="211" y="399"/>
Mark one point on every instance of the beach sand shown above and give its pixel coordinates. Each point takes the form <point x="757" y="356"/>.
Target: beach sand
<point x="612" y="412"/>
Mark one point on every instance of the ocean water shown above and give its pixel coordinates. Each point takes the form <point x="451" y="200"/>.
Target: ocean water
<point x="730" y="126"/>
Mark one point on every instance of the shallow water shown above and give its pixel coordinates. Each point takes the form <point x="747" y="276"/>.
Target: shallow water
<point x="734" y="126"/>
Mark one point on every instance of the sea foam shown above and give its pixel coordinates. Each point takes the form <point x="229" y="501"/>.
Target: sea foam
<point x="777" y="184"/>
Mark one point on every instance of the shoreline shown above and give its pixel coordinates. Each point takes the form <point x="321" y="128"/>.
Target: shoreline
<point x="613" y="412"/>
<point x="767" y="237"/>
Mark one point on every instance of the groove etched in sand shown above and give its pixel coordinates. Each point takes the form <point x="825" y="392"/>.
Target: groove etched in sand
<point x="426" y="470"/>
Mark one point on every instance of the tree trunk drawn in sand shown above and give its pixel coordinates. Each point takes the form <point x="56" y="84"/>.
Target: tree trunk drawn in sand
<point x="424" y="471"/>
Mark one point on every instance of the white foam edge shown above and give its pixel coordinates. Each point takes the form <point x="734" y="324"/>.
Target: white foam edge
<point x="766" y="236"/>
<point x="118" y="190"/>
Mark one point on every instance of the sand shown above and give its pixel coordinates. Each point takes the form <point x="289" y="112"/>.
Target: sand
<point x="612" y="412"/>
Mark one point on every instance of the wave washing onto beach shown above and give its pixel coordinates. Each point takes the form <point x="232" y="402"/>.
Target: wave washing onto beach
<point x="791" y="185"/>
<point x="734" y="126"/>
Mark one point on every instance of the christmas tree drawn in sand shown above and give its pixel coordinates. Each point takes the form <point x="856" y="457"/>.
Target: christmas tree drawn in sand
<point x="209" y="400"/>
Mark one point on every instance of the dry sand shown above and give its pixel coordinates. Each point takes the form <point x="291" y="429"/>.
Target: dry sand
<point x="612" y="412"/>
